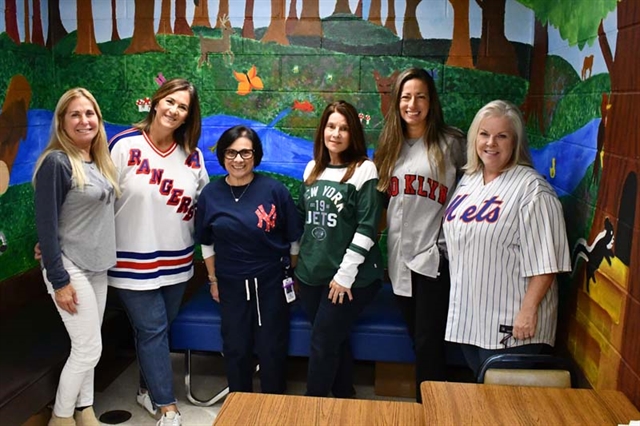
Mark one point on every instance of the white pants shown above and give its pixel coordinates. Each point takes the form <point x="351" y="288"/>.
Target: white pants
<point x="75" y="388"/>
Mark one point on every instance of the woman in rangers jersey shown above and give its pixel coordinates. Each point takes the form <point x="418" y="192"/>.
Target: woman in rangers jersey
<point x="251" y="221"/>
<point x="340" y="264"/>
<point x="419" y="158"/>
<point x="75" y="187"/>
<point x="506" y="238"/>
<point x="161" y="173"/>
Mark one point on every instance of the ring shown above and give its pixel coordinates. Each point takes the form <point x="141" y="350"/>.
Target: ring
<point x="340" y="294"/>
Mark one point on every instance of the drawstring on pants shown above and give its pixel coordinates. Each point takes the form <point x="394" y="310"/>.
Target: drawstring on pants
<point x="246" y="287"/>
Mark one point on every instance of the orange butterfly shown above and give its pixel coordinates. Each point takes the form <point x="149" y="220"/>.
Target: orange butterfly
<point x="248" y="80"/>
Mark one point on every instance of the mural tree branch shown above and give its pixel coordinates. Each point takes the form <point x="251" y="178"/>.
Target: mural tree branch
<point x="310" y="24"/>
<point x="86" y="44"/>
<point x="460" y="50"/>
<point x="144" y="38"/>
<point x="181" y="25"/>
<point x="496" y="53"/>
<point x="56" y="31"/>
<point x="11" y="20"/>
<point x="411" y="29"/>
<point x="358" y="11"/>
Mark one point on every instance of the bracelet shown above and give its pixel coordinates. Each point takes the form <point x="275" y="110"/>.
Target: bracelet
<point x="212" y="279"/>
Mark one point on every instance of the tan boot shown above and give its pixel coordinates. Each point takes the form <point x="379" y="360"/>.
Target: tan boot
<point x="86" y="417"/>
<point x="61" y="421"/>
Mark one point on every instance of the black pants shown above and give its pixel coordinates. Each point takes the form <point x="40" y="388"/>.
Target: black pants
<point x="425" y="313"/>
<point x="258" y="325"/>
<point x="330" y="359"/>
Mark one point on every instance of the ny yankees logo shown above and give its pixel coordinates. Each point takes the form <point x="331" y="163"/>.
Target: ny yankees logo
<point x="266" y="220"/>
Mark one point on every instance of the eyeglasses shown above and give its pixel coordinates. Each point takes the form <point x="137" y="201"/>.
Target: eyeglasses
<point x="245" y="154"/>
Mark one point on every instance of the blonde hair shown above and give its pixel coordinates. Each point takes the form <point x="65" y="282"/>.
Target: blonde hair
<point x="393" y="132"/>
<point x="497" y="109"/>
<point x="60" y="141"/>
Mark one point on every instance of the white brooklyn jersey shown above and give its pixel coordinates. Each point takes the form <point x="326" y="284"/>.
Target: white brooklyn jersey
<point x="498" y="236"/>
<point x="417" y="198"/>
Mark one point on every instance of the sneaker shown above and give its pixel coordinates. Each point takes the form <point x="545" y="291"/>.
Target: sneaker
<point x="144" y="400"/>
<point x="170" y="418"/>
<point x="86" y="417"/>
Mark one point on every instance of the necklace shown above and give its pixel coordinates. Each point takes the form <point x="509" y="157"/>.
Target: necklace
<point x="234" y="195"/>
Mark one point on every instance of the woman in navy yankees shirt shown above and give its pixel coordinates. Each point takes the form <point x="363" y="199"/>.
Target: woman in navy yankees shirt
<point x="419" y="158"/>
<point x="249" y="228"/>
<point x="506" y="239"/>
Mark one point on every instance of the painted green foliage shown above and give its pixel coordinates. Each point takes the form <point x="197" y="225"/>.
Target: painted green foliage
<point x="577" y="21"/>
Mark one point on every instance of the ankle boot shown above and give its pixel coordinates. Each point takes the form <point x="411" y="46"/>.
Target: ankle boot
<point x="86" y="417"/>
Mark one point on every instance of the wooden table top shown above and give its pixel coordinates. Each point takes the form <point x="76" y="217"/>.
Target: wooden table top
<point x="449" y="403"/>
<point x="249" y="409"/>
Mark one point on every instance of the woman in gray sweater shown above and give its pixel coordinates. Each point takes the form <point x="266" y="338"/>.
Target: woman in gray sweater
<point x="75" y="188"/>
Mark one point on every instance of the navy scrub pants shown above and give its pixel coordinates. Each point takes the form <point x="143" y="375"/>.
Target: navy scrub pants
<point x="255" y="320"/>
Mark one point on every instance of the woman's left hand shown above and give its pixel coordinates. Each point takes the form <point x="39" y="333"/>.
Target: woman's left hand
<point x="524" y="326"/>
<point x="337" y="292"/>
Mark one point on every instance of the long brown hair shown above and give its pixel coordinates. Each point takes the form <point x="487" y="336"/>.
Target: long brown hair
<point x="355" y="153"/>
<point x="394" y="130"/>
<point x="188" y="134"/>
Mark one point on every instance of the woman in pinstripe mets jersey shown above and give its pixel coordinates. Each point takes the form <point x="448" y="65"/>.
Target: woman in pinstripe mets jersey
<point x="506" y="239"/>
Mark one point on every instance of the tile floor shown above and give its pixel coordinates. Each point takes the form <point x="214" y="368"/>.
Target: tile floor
<point x="207" y="379"/>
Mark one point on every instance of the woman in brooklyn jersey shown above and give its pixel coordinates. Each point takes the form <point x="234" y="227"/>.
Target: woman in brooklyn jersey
<point x="506" y="238"/>
<point x="419" y="158"/>
<point x="340" y="264"/>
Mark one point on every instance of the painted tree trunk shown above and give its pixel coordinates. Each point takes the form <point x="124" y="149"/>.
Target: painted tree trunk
<point x="37" y="37"/>
<point x="114" y="22"/>
<point x="86" y="44"/>
<point x="56" y="31"/>
<point x="310" y="24"/>
<point x="411" y="29"/>
<point x="201" y="15"/>
<point x="496" y="53"/>
<point x="247" y="27"/>
<point x="276" y="31"/>
<point x="534" y="104"/>
<point x="181" y="25"/>
<point x="342" y="6"/>
<point x="164" y="27"/>
<point x="460" y="51"/>
<point x="390" y="23"/>
<point x="11" y="20"/>
<point x="144" y="38"/>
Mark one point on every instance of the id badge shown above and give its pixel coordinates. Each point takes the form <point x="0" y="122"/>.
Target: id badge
<point x="289" y="292"/>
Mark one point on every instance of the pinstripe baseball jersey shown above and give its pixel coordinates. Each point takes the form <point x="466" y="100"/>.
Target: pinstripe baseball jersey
<point x="417" y="199"/>
<point x="155" y="214"/>
<point x="498" y="235"/>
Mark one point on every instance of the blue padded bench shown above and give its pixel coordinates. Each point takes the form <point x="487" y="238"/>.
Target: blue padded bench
<point x="379" y="334"/>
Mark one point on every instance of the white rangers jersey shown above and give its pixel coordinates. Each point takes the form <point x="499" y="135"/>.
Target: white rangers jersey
<point x="417" y="199"/>
<point x="498" y="235"/>
<point x="155" y="214"/>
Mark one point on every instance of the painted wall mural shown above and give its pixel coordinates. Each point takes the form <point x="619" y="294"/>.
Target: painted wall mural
<point x="274" y="65"/>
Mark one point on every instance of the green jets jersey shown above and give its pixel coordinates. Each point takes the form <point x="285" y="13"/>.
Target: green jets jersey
<point x="340" y="240"/>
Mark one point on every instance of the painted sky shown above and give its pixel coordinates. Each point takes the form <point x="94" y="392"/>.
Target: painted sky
<point x="435" y="16"/>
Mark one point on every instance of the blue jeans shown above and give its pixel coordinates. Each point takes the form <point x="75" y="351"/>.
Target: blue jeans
<point x="151" y="313"/>
<point x="330" y="360"/>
